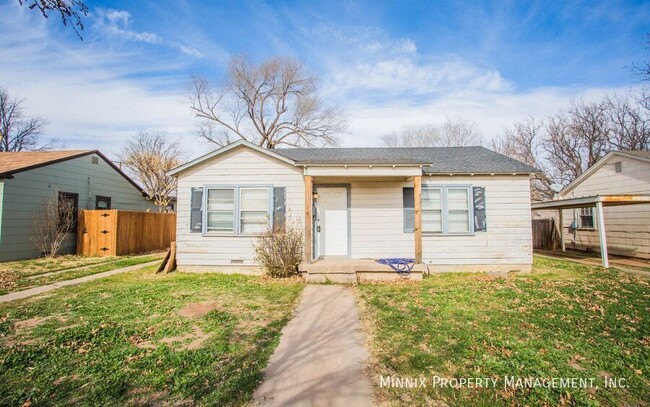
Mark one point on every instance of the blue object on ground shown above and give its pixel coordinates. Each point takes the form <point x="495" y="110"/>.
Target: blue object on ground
<point x="401" y="265"/>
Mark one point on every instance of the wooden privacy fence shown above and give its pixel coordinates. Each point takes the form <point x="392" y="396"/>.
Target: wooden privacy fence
<point x="545" y="235"/>
<point x="118" y="232"/>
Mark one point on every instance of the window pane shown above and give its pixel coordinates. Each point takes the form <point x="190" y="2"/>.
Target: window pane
<point x="221" y="210"/>
<point x="431" y="221"/>
<point x="457" y="198"/>
<point x="458" y="221"/>
<point x="254" y="221"/>
<point x="431" y="198"/>
<point x="254" y="199"/>
<point x="221" y="200"/>
<point x="221" y="220"/>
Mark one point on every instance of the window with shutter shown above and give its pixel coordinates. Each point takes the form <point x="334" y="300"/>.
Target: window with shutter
<point x="196" y="213"/>
<point x="279" y="207"/>
<point x="409" y="209"/>
<point x="480" y="219"/>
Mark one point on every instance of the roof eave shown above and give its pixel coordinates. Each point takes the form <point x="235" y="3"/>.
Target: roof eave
<point x="175" y="171"/>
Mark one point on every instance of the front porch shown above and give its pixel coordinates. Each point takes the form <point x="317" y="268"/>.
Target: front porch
<point x="344" y="270"/>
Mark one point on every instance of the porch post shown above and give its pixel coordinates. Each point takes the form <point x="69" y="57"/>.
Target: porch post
<point x="417" y="209"/>
<point x="561" y="212"/>
<point x="601" y="234"/>
<point x="309" y="196"/>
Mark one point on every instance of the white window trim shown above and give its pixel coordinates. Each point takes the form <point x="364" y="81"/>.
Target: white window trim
<point x="445" y="210"/>
<point x="237" y="209"/>
<point x="593" y="219"/>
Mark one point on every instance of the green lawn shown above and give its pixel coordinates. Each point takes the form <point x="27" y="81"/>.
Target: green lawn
<point x="21" y="275"/>
<point x="141" y="338"/>
<point x="563" y="320"/>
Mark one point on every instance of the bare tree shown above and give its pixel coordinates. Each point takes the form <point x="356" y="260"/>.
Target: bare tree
<point x="523" y="142"/>
<point x="148" y="157"/>
<point x="451" y="133"/>
<point x="53" y="221"/>
<point x="271" y="104"/>
<point x="577" y="139"/>
<point x="17" y="131"/>
<point x="69" y="10"/>
<point x="630" y="122"/>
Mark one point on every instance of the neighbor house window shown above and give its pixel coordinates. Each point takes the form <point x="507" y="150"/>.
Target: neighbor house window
<point x="221" y="210"/>
<point x="432" y="210"/>
<point x="587" y="218"/>
<point x="238" y="210"/>
<point x="103" y="202"/>
<point x="446" y="210"/>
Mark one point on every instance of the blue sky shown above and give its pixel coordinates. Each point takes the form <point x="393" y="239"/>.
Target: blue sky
<point x="386" y="64"/>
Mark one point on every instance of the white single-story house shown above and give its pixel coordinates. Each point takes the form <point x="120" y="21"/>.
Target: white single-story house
<point x="84" y="178"/>
<point x="453" y="209"/>
<point x="621" y="181"/>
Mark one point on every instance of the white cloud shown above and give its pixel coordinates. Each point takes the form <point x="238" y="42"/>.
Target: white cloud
<point x="85" y="91"/>
<point x="384" y="84"/>
<point x="118" y="23"/>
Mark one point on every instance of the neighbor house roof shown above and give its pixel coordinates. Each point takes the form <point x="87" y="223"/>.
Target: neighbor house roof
<point x="642" y="155"/>
<point x="434" y="160"/>
<point x="14" y="162"/>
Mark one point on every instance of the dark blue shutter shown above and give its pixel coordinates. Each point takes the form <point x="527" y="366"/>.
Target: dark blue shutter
<point x="196" y="214"/>
<point x="279" y="207"/>
<point x="480" y="221"/>
<point x="408" y="198"/>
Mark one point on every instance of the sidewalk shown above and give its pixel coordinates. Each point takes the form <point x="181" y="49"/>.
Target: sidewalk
<point x="320" y="356"/>
<point x="19" y="295"/>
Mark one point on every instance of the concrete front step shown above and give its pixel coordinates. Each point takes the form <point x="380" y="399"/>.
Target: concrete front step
<point x="347" y="271"/>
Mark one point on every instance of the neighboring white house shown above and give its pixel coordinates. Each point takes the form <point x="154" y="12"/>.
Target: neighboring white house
<point x="627" y="227"/>
<point x="87" y="179"/>
<point x="358" y="203"/>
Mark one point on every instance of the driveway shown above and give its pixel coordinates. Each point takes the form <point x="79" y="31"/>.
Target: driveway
<point x="320" y="356"/>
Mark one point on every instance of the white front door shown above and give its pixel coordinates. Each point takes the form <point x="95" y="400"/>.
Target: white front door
<point x="332" y="221"/>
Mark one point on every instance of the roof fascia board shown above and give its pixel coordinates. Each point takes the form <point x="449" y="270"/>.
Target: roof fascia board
<point x="224" y="150"/>
<point x="586" y="174"/>
<point x="595" y="167"/>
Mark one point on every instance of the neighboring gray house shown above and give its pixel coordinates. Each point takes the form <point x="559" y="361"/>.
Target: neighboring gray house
<point x="86" y="178"/>
<point x="453" y="209"/>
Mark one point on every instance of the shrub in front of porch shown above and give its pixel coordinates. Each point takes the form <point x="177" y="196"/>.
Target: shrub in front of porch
<point x="279" y="249"/>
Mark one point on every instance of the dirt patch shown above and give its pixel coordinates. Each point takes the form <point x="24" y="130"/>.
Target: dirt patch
<point x="198" y="309"/>
<point x="24" y="328"/>
<point x="189" y="341"/>
<point x="576" y="366"/>
<point x="197" y="338"/>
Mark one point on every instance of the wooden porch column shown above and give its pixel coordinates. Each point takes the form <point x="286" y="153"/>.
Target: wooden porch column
<point x="601" y="234"/>
<point x="562" y="245"/>
<point x="417" y="206"/>
<point x="309" y="196"/>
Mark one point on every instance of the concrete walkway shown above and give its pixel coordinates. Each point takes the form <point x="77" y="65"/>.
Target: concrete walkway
<point x="19" y="295"/>
<point x="320" y="356"/>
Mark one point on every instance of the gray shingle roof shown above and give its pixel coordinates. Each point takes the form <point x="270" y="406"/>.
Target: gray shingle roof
<point x="436" y="159"/>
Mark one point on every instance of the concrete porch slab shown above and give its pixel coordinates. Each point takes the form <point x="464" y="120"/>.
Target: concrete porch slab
<point x="342" y="270"/>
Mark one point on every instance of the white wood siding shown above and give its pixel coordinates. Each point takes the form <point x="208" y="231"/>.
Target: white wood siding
<point x="29" y="190"/>
<point x="240" y="166"/>
<point x="508" y="239"/>
<point x="377" y="221"/>
<point x="627" y="227"/>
